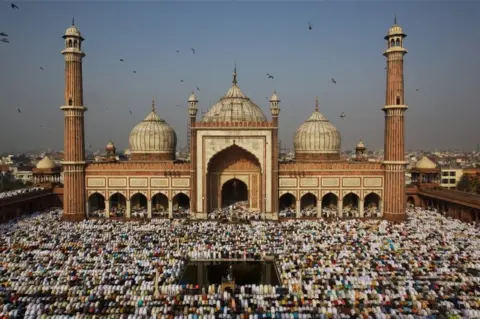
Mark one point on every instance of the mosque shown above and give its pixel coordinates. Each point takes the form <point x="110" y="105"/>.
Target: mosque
<point x="234" y="156"/>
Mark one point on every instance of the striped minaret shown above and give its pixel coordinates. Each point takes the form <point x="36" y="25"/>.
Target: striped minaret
<point x="395" y="107"/>
<point x="74" y="199"/>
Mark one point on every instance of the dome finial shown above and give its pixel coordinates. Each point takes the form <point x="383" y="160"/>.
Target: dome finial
<point x="73" y="21"/>
<point x="235" y="74"/>
<point x="316" y="104"/>
<point x="395" y="19"/>
<point x="153" y="104"/>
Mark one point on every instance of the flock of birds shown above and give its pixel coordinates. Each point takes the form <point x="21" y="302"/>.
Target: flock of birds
<point x="5" y="39"/>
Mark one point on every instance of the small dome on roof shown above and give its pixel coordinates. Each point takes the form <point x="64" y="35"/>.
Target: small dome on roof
<point x="395" y="30"/>
<point x="192" y="97"/>
<point x="425" y="163"/>
<point x="360" y="144"/>
<point x="110" y="146"/>
<point x="46" y="163"/>
<point x="274" y="97"/>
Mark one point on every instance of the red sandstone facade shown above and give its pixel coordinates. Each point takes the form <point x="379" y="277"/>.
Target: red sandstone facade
<point x="246" y="151"/>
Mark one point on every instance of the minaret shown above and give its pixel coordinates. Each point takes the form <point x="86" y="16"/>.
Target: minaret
<point x="395" y="107"/>
<point x="360" y="151"/>
<point x="192" y="111"/>
<point x="74" y="200"/>
<point x="275" y="110"/>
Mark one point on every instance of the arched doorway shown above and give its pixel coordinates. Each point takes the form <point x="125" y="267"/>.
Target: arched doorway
<point x="372" y="205"/>
<point x="181" y="205"/>
<point x="308" y="205"/>
<point x="329" y="205"/>
<point x="139" y="206"/>
<point x="410" y="202"/>
<point x="350" y="205"/>
<point x="286" y="201"/>
<point x="234" y="191"/>
<point x="159" y="205"/>
<point x="117" y="205"/>
<point x="96" y="205"/>
<point x="234" y="163"/>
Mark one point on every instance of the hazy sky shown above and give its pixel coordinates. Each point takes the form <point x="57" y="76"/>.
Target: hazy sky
<point x="346" y="43"/>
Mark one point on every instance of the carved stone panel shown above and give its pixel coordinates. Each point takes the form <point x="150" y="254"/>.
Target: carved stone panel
<point x="254" y="191"/>
<point x="372" y="181"/>
<point x="159" y="182"/>
<point x="309" y="182"/>
<point x="96" y="182"/>
<point x="330" y="182"/>
<point x="138" y="182"/>
<point x="181" y="182"/>
<point x="288" y="182"/>
<point x="117" y="182"/>
<point x="351" y="182"/>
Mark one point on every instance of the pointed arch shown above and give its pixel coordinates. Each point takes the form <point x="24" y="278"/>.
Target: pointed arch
<point x="350" y="205"/>
<point x="410" y="201"/>
<point x="234" y="191"/>
<point x="397" y="43"/>
<point x="330" y="200"/>
<point x="96" y="204"/>
<point x="159" y="205"/>
<point x="287" y="201"/>
<point x="118" y="204"/>
<point x="392" y="43"/>
<point x="372" y="205"/>
<point x="180" y="202"/>
<point x="139" y="205"/>
<point x="70" y="43"/>
<point x="308" y="201"/>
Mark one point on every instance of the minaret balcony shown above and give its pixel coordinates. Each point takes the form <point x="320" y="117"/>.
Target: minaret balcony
<point x="395" y="106"/>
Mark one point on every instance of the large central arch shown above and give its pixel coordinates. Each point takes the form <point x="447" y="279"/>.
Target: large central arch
<point x="232" y="167"/>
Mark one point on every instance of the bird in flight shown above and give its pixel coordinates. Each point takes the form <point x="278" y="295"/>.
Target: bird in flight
<point x="181" y="81"/>
<point x="41" y="68"/>
<point x="14" y="6"/>
<point x="3" y="34"/>
<point x="342" y="116"/>
<point x="333" y="81"/>
<point x="198" y="89"/>
<point x="417" y="90"/>
<point x="266" y="98"/>
<point x="121" y="60"/>
<point x="5" y="41"/>
<point x="310" y="26"/>
<point x="90" y="146"/>
<point x="270" y="76"/>
<point x="130" y="112"/>
<point x="178" y="51"/>
<point x="19" y="111"/>
<point x="193" y="50"/>
<point x="134" y="71"/>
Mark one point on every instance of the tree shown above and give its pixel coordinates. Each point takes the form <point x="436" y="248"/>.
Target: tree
<point x="469" y="183"/>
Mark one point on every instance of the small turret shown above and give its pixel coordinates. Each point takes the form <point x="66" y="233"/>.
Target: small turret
<point x="192" y="105"/>
<point x="274" y="102"/>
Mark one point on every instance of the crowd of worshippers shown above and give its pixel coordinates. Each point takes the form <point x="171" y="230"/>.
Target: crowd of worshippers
<point x="141" y="212"/>
<point x="238" y="211"/>
<point x="330" y="211"/>
<point x="426" y="267"/>
<point x="20" y="191"/>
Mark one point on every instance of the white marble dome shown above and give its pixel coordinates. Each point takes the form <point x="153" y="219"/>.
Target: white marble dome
<point x="234" y="106"/>
<point x="317" y="136"/>
<point x="153" y="135"/>
<point x="72" y="31"/>
<point x="46" y="163"/>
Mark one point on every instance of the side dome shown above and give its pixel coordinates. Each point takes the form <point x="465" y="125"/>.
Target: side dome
<point x="153" y="139"/>
<point x="425" y="163"/>
<point x="46" y="163"/>
<point x="234" y="106"/>
<point x="317" y="139"/>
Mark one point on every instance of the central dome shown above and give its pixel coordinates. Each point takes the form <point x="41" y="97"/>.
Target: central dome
<point x="317" y="139"/>
<point x="234" y="106"/>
